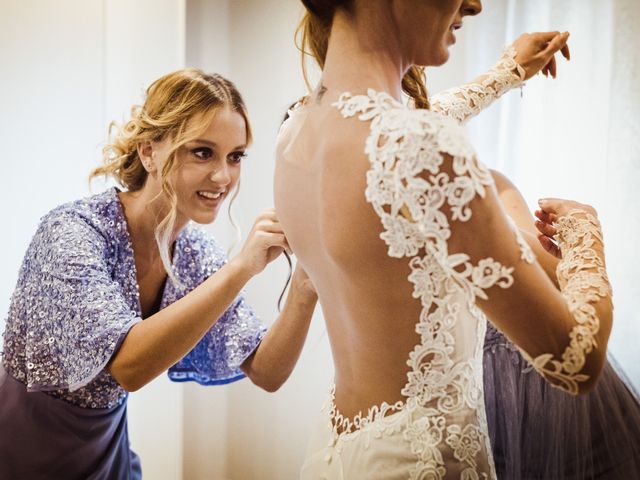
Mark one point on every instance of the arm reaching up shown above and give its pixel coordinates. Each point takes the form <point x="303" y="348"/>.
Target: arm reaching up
<point x="528" y="55"/>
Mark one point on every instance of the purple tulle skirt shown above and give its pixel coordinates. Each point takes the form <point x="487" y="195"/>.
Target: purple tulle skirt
<point x="540" y="432"/>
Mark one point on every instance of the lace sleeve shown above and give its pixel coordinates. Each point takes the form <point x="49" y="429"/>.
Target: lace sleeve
<point x="583" y="282"/>
<point x="465" y="102"/>
<point x="439" y="207"/>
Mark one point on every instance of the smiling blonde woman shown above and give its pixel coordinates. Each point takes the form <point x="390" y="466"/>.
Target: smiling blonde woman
<point x="119" y="287"/>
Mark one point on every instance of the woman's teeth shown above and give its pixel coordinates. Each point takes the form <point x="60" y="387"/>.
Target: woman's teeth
<point x="211" y="195"/>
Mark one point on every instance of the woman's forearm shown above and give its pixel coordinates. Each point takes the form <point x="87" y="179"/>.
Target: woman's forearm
<point x="276" y="356"/>
<point x="158" y="342"/>
<point x="516" y="207"/>
<point x="548" y="262"/>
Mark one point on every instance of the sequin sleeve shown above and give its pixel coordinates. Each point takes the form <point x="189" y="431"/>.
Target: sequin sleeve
<point x="72" y="312"/>
<point x="216" y="359"/>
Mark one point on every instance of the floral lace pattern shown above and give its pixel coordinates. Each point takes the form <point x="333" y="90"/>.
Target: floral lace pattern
<point x="442" y="418"/>
<point x="583" y="281"/>
<point x="465" y="102"/>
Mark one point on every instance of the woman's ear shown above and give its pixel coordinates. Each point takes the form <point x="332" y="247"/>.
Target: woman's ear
<point x="147" y="156"/>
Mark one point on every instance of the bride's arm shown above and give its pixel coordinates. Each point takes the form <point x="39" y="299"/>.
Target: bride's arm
<point x="563" y="334"/>
<point x="528" y="55"/>
<point x="452" y="212"/>
<point x="516" y="207"/>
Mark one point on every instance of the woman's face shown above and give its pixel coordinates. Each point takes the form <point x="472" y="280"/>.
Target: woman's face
<point x="428" y="27"/>
<point x="208" y="168"/>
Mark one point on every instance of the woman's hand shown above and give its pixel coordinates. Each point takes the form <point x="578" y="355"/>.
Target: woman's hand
<point x="551" y="209"/>
<point x="301" y="281"/>
<point x="535" y="52"/>
<point x="265" y="242"/>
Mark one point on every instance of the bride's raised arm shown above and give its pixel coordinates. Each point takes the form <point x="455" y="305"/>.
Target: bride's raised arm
<point x="528" y="55"/>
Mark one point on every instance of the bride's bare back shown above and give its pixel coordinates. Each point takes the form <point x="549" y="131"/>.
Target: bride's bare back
<point x="400" y="228"/>
<point x="365" y="296"/>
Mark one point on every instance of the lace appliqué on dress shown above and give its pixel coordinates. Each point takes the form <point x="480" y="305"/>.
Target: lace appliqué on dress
<point x="583" y="281"/>
<point x="465" y="102"/>
<point x="410" y="194"/>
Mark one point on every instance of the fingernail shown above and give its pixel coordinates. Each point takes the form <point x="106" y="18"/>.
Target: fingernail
<point x="541" y="201"/>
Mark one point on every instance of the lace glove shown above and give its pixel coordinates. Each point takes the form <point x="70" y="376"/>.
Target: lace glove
<point x="583" y="282"/>
<point x="465" y="102"/>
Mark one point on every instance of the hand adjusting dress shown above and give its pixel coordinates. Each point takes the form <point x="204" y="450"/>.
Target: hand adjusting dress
<point x="423" y="175"/>
<point x="62" y="415"/>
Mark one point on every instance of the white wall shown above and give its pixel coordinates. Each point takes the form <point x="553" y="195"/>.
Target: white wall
<point x="69" y="67"/>
<point x="52" y="115"/>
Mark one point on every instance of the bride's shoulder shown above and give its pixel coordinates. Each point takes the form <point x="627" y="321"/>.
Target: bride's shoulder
<point x="391" y="123"/>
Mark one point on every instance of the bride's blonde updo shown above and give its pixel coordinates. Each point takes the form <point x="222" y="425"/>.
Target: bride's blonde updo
<point x="313" y="35"/>
<point x="171" y="102"/>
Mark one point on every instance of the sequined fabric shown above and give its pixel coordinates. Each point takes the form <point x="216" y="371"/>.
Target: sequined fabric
<point x="77" y="297"/>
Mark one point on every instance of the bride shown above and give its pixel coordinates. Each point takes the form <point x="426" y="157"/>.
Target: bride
<point x="402" y="233"/>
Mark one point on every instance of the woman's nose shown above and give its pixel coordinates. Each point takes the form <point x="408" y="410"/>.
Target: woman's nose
<point x="471" y="7"/>
<point x="221" y="175"/>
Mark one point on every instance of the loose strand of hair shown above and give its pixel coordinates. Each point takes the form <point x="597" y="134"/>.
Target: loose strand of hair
<point x="237" y="233"/>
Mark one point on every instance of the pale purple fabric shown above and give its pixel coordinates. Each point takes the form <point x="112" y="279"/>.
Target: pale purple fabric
<point x="539" y="432"/>
<point x="75" y="300"/>
<point x="43" y="437"/>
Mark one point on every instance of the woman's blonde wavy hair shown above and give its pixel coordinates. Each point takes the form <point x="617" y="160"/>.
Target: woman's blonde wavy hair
<point x="171" y="102"/>
<point x="312" y="38"/>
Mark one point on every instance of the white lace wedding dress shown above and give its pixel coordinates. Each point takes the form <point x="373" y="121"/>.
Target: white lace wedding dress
<point x="423" y="176"/>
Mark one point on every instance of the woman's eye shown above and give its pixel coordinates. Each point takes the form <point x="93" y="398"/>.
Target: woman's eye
<point x="202" y="153"/>
<point x="237" y="157"/>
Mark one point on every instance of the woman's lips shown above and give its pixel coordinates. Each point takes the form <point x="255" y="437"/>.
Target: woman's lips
<point x="211" y="199"/>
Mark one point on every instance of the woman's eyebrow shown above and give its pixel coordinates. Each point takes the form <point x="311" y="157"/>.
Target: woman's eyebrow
<point x="214" y="145"/>
<point x="206" y="142"/>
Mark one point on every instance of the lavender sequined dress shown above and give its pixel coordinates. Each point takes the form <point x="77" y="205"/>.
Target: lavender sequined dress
<point x="61" y="414"/>
<point x="539" y="432"/>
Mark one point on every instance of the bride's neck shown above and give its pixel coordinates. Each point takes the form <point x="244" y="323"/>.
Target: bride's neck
<point x="364" y="53"/>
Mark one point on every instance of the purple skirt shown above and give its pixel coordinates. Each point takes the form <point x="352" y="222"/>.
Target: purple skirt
<point x="539" y="432"/>
<point x="42" y="437"/>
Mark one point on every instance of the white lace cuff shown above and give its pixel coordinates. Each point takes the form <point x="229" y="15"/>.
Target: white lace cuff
<point x="583" y="281"/>
<point x="463" y="103"/>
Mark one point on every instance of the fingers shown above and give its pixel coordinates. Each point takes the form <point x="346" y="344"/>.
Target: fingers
<point x="550" y="246"/>
<point x="552" y="66"/>
<point x="566" y="53"/>
<point x="546" y="217"/>
<point x="268" y="225"/>
<point x="550" y="205"/>
<point x="267" y="221"/>
<point x="545" y="228"/>
<point x="556" y="44"/>
<point x="545" y="37"/>
<point x="276" y="240"/>
<point x="267" y="214"/>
